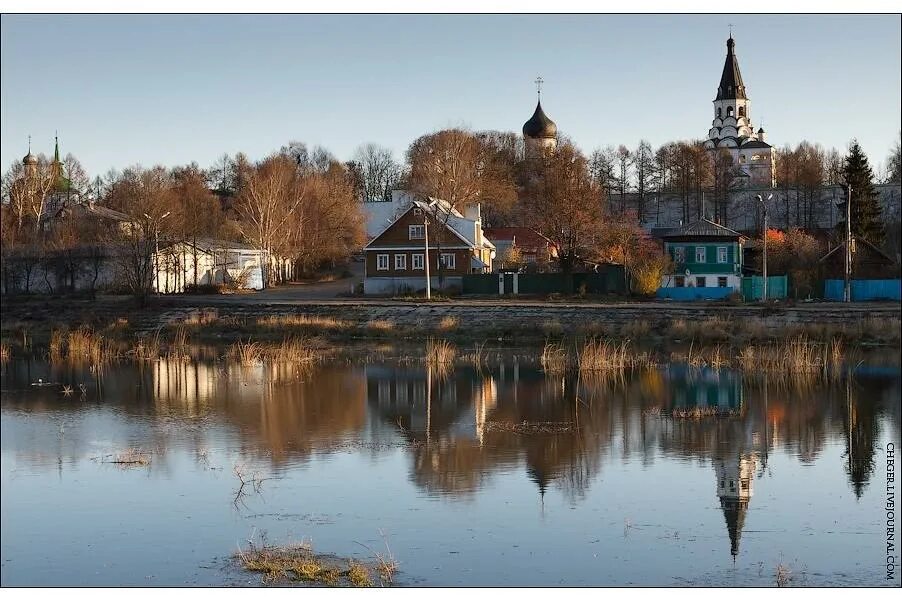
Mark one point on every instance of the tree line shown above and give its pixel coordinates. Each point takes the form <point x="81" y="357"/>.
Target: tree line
<point x="304" y="205"/>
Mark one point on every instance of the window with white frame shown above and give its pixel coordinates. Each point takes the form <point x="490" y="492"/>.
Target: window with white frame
<point x="382" y="262"/>
<point x="679" y="254"/>
<point x="701" y="254"/>
<point x="679" y="281"/>
<point x="721" y="282"/>
<point x="416" y="232"/>
<point x="722" y="254"/>
<point x="416" y="261"/>
<point x="700" y="282"/>
<point x="400" y="262"/>
<point x="448" y="260"/>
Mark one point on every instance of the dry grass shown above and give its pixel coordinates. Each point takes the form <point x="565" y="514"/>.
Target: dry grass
<point x="81" y="345"/>
<point x="448" y="323"/>
<point x="201" y="317"/>
<point x="527" y="427"/>
<point x="298" y="563"/>
<point x="381" y="325"/>
<point x="292" y="350"/>
<point x="289" y="351"/>
<point x="716" y="357"/>
<point x="440" y="352"/>
<point x="783" y="575"/>
<point x="477" y="357"/>
<point x="178" y="349"/>
<point x="555" y="358"/>
<point x="148" y="348"/>
<point x="797" y="355"/>
<point x="309" y="322"/>
<point x="358" y="575"/>
<point x="56" y="347"/>
<point x="247" y="353"/>
<point x="132" y="457"/>
<point x="4" y="351"/>
<point x="601" y="355"/>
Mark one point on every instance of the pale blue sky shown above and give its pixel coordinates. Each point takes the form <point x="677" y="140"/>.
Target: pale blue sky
<point x="172" y="89"/>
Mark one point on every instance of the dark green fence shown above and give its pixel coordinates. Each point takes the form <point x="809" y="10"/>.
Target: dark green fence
<point x="608" y="281"/>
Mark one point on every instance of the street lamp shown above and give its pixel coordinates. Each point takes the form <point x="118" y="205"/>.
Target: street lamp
<point x="426" y="258"/>
<point x="764" y="262"/>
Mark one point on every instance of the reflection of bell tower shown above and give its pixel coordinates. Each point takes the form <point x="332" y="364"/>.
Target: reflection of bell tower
<point x="734" y="488"/>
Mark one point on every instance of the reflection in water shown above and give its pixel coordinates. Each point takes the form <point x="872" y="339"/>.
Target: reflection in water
<point x="450" y="428"/>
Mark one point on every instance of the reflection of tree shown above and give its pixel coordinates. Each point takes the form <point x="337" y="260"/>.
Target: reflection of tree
<point x="861" y="432"/>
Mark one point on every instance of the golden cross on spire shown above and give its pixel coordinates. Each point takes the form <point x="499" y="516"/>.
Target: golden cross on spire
<point x="29" y="144"/>
<point x="539" y="82"/>
<point x="731" y="29"/>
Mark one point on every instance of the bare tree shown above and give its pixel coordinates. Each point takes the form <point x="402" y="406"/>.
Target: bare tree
<point x="562" y="203"/>
<point x="375" y="173"/>
<point x="461" y="170"/>
<point x="643" y="165"/>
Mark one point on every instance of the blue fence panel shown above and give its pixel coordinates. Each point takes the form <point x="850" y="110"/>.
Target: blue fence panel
<point x="695" y="293"/>
<point x="753" y="287"/>
<point x="865" y="289"/>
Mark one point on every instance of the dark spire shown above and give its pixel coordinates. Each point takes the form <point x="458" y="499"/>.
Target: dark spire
<point x="731" y="86"/>
<point x="539" y="125"/>
<point x="734" y="513"/>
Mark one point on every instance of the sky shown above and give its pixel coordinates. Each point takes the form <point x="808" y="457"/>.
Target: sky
<point x="172" y="89"/>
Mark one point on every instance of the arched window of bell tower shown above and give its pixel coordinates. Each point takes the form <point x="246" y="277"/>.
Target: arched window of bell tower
<point x="741" y="111"/>
<point x="718" y="112"/>
<point x="729" y="111"/>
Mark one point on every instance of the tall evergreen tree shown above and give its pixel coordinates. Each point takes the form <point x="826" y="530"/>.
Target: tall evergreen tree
<point x="865" y="209"/>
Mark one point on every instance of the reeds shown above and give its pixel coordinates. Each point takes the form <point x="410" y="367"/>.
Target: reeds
<point x="797" y="355"/>
<point x="80" y="345"/>
<point x="148" y="348"/>
<point x="311" y="322"/>
<point x="4" y="352"/>
<point x="288" y="351"/>
<point x="247" y="353"/>
<point x="440" y="352"/>
<point x="381" y="325"/>
<point x="555" y="358"/>
<point x="602" y="355"/>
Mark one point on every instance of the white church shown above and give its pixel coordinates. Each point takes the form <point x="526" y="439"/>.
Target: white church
<point x="732" y="128"/>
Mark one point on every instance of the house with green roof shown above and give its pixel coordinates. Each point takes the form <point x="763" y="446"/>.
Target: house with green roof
<point x="706" y="261"/>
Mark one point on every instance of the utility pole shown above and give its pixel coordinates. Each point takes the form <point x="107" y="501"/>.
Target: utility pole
<point x="764" y="261"/>
<point x="847" y="287"/>
<point x="426" y="258"/>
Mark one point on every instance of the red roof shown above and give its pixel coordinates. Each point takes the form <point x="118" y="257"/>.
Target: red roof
<point x="523" y="237"/>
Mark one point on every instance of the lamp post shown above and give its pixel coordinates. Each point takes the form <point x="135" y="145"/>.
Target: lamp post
<point x="426" y="258"/>
<point x="764" y="261"/>
<point x="847" y="283"/>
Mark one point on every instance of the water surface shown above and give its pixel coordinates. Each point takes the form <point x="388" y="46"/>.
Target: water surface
<point x="498" y="476"/>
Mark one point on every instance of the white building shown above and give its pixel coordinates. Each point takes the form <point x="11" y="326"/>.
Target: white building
<point x="733" y="131"/>
<point x="178" y="265"/>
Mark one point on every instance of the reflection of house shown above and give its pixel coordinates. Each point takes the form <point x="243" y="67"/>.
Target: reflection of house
<point x="207" y="262"/>
<point x="396" y="252"/>
<point x="536" y="251"/>
<point x="706" y="256"/>
<point x="704" y="391"/>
